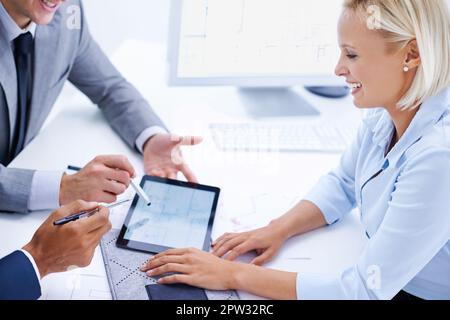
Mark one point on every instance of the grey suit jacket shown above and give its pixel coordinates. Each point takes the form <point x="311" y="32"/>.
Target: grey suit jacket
<point x="64" y="53"/>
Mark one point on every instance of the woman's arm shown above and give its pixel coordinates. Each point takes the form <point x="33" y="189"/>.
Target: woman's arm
<point x="201" y="269"/>
<point x="269" y="283"/>
<point x="331" y="198"/>
<point x="302" y="218"/>
<point x="414" y="229"/>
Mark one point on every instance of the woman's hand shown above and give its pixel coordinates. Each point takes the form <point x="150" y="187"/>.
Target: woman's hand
<point x="193" y="267"/>
<point x="266" y="241"/>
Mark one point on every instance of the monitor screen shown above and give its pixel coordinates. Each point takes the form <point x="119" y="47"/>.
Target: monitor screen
<point x="254" y="41"/>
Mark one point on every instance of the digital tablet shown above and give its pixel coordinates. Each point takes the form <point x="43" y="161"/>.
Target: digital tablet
<point x="181" y="215"/>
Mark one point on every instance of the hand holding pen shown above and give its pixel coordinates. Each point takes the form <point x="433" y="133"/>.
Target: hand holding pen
<point x="135" y="186"/>
<point x="101" y="180"/>
<point x="85" y="214"/>
<point x="76" y="242"/>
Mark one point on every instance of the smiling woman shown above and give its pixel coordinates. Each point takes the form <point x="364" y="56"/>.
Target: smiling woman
<point x="395" y="55"/>
<point x="411" y="61"/>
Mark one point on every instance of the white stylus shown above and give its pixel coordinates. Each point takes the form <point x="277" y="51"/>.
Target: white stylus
<point x="136" y="187"/>
<point x="141" y="192"/>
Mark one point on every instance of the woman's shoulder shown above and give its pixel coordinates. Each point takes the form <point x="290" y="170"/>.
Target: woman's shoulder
<point x="434" y="145"/>
<point x="438" y="135"/>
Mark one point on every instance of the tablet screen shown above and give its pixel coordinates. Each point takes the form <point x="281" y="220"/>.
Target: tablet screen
<point x="180" y="215"/>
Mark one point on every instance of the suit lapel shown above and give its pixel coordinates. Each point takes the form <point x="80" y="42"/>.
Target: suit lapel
<point x="8" y="78"/>
<point x="45" y="51"/>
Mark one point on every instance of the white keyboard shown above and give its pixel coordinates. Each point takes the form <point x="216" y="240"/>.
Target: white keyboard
<point x="314" y="137"/>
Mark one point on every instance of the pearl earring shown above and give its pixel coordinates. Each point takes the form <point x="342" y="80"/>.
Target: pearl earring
<point x="405" y="69"/>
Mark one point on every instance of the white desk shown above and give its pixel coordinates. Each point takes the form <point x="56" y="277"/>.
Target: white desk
<point x="255" y="187"/>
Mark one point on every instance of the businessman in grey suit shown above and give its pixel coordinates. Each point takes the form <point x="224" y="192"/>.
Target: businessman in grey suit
<point x="43" y="43"/>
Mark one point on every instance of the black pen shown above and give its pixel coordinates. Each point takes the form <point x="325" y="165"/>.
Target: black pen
<point x="84" y="214"/>
<point x="73" y="168"/>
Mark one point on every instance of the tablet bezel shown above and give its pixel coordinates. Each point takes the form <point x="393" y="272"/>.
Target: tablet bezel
<point x="155" y="248"/>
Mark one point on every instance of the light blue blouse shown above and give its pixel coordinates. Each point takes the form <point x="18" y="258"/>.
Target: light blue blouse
<point x="404" y="200"/>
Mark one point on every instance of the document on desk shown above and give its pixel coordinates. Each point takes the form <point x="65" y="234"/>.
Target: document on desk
<point x="341" y="242"/>
<point x="75" y="285"/>
<point x="239" y="213"/>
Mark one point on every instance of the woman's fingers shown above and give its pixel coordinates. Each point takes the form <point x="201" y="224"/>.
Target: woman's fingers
<point x="223" y="237"/>
<point x="220" y="242"/>
<point x="239" y="250"/>
<point x="169" y="267"/>
<point x="228" y="245"/>
<point x="266" y="256"/>
<point x="155" y="263"/>
<point x="166" y="255"/>
<point x="176" y="278"/>
<point x="176" y="251"/>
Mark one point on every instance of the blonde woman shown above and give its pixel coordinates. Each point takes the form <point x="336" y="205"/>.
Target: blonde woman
<point x="396" y="57"/>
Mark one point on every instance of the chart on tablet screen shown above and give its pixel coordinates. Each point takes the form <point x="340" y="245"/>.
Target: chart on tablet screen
<point x="177" y="216"/>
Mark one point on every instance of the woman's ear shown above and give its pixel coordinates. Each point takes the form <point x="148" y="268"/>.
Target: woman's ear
<point x="412" y="55"/>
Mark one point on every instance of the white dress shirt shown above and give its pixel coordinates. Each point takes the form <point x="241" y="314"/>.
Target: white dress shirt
<point x="45" y="186"/>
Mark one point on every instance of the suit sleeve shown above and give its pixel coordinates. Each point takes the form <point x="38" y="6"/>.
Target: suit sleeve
<point x="18" y="279"/>
<point x="15" y="189"/>
<point x="124" y="107"/>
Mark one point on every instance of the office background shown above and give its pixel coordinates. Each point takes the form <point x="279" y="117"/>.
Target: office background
<point x="144" y="20"/>
<point x="112" y="22"/>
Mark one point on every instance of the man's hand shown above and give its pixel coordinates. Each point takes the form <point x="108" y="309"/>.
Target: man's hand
<point x="163" y="158"/>
<point x="101" y="180"/>
<point x="56" y="248"/>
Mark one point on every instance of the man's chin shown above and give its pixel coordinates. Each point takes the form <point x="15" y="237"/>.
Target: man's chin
<point x="43" y="20"/>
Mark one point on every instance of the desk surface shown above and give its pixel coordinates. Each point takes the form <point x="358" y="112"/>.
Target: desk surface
<point x="256" y="187"/>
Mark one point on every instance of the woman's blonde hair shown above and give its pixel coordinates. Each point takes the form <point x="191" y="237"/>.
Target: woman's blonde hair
<point x="426" y="21"/>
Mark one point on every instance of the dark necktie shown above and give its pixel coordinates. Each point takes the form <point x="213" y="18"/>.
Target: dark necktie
<point x="23" y="47"/>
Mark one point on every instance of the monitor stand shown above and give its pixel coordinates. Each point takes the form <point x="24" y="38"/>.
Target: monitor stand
<point x="333" y="92"/>
<point x="275" y="102"/>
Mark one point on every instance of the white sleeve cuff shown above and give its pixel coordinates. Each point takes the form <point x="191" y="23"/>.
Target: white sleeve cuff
<point x="147" y="134"/>
<point x="45" y="188"/>
<point x="36" y="269"/>
<point x="319" y="287"/>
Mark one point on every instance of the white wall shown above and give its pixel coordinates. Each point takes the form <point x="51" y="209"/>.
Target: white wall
<point x="113" y="21"/>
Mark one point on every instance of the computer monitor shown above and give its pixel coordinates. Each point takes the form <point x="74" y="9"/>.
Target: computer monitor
<point x="262" y="46"/>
